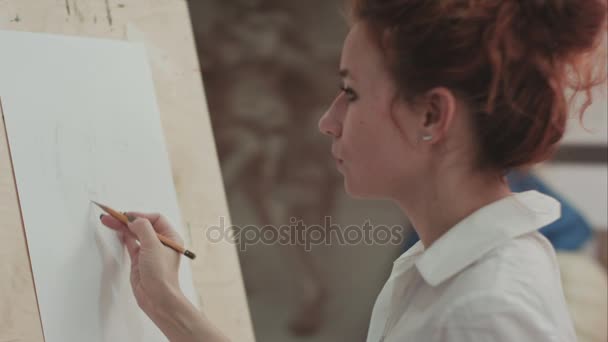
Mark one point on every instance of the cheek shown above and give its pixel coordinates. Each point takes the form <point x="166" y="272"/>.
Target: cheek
<point x="377" y="159"/>
<point x="370" y="144"/>
<point x="356" y="139"/>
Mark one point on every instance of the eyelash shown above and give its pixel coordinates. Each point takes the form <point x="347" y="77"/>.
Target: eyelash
<point x="350" y="94"/>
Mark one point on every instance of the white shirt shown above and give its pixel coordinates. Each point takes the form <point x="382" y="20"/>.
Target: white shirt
<point x="490" y="278"/>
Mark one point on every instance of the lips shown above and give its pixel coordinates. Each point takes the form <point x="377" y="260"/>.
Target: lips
<point x="336" y="157"/>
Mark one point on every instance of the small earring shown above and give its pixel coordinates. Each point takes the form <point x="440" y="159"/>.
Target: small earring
<point x="427" y="138"/>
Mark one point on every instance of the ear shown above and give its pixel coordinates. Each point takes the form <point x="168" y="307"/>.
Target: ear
<point x="439" y="110"/>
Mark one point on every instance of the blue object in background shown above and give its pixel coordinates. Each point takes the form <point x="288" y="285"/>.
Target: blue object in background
<point x="570" y="232"/>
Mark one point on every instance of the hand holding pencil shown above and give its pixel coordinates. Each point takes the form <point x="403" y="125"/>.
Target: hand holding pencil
<point x="155" y="275"/>
<point x="154" y="267"/>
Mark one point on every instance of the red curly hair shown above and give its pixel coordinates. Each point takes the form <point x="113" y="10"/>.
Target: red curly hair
<point x="510" y="60"/>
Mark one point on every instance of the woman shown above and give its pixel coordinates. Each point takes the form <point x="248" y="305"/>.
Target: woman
<point x="439" y="99"/>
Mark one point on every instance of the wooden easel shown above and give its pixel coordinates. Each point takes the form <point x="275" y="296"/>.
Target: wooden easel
<point x="164" y="26"/>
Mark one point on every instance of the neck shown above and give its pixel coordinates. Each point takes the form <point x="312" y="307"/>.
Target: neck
<point x="439" y="204"/>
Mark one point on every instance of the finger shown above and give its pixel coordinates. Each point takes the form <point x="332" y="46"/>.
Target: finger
<point x="145" y="233"/>
<point x="131" y="244"/>
<point x="126" y="231"/>
<point x="160" y="224"/>
<point x="111" y="222"/>
<point x="152" y="217"/>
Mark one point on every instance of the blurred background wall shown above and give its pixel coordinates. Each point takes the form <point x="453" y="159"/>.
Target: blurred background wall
<point x="270" y="71"/>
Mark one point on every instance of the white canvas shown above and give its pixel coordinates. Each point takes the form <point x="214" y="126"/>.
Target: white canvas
<point x="83" y="124"/>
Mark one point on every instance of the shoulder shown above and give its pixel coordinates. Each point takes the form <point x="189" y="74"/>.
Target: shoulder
<point x="513" y="293"/>
<point x="493" y="316"/>
<point x="523" y="266"/>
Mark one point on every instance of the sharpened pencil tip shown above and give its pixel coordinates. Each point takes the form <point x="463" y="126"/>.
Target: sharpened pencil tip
<point x="97" y="204"/>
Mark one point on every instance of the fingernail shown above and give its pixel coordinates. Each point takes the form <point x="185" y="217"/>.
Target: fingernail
<point x="131" y="218"/>
<point x="190" y="254"/>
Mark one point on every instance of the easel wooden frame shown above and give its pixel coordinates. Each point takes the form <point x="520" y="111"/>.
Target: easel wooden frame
<point x="164" y="26"/>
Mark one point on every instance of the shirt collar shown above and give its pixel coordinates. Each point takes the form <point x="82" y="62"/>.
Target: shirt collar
<point x="481" y="232"/>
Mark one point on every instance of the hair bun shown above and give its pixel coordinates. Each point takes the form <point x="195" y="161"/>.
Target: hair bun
<point x="561" y="27"/>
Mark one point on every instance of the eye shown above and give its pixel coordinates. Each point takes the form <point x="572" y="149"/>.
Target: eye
<point x="350" y="93"/>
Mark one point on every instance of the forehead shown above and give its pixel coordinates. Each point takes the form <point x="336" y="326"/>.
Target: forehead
<point x="360" y="54"/>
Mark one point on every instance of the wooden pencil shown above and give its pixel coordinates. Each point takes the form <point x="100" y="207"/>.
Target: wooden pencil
<point x="125" y="219"/>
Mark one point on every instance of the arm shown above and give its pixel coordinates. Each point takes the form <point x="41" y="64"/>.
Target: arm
<point x="180" y="321"/>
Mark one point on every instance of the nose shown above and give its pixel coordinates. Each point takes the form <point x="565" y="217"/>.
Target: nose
<point x="330" y="123"/>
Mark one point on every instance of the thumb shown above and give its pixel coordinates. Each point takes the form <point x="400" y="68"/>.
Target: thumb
<point x="144" y="231"/>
